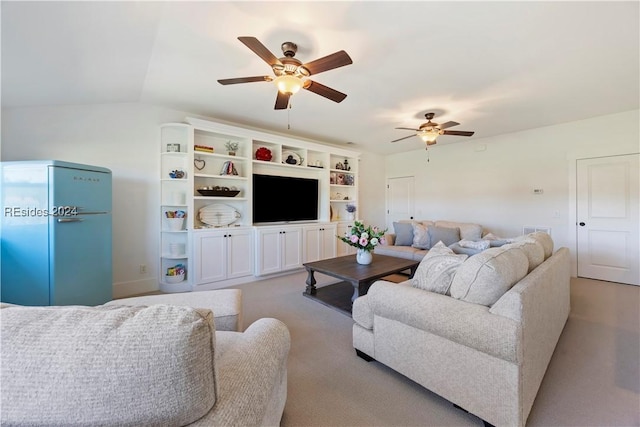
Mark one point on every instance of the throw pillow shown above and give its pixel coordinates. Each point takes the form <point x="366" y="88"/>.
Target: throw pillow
<point x="445" y="235"/>
<point x="465" y="251"/>
<point x="541" y="237"/>
<point x="484" y="278"/>
<point x="404" y="233"/>
<point x="480" y="244"/>
<point x="437" y="268"/>
<point x="495" y="241"/>
<point x="420" y="237"/>
<point x="532" y="249"/>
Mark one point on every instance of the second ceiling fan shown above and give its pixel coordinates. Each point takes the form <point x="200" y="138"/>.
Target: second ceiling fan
<point x="291" y="75"/>
<point x="429" y="131"/>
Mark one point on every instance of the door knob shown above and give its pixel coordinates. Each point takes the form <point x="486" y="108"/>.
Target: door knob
<point x="582" y="224"/>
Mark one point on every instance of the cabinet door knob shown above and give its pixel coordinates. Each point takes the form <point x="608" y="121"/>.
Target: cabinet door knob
<point x="582" y="224"/>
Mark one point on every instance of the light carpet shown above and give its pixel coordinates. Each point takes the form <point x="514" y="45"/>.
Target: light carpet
<point x="593" y="378"/>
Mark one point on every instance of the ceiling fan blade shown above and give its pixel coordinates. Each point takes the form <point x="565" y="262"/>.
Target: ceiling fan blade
<point x="329" y="62"/>
<point x="448" y="125"/>
<point x="245" y="80"/>
<point x="325" y="91"/>
<point x="415" y="130"/>
<point x="259" y="49"/>
<point x="405" y="137"/>
<point x="457" y="133"/>
<point x="282" y="101"/>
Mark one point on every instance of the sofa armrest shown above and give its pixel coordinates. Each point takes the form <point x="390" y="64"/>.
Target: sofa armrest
<point x="390" y="239"/>
<point x="459" y="321"/>
<point x="252" y="375"/>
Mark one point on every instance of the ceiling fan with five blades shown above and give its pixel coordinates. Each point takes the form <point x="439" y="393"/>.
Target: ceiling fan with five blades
<point x="291" y="75"/>
<point x="429" y="131"/>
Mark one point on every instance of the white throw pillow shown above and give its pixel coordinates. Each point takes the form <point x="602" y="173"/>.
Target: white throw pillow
<point x="479" y="245"/>
<point x="485" y="277"/>
<point x="437" y="269"/>
<point x="421" y="236"/>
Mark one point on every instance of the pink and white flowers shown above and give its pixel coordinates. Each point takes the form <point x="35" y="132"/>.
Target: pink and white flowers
<point x="363" y="237"/>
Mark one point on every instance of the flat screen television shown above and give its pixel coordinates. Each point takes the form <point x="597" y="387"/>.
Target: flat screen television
<point x="284" y="199"/>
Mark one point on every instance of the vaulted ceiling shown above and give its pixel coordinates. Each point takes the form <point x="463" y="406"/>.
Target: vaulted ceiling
<point x="494" y="67"/>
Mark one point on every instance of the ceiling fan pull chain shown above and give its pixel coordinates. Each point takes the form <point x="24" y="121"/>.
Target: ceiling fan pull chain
<point x="289" y="115"/>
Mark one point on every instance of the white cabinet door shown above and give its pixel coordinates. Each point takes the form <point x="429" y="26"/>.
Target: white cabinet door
<point x="328" y="241"/>
<point x="312" y="243"/>
<point x="319" y="242"/>
<point x="210" y="257"/>
<point x="291" y="248"/>
<point x="239" y="253"/>
<point x="269" y="251"/>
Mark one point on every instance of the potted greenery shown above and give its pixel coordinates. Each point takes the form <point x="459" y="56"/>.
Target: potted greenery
<point x="231" y="147"/>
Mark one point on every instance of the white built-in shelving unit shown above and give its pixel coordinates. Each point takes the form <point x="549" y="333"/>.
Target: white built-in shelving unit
<point x="220" y="256"/>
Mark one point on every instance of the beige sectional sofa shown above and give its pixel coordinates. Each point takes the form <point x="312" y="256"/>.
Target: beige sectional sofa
<point x="149" y="361"/>
<point x="417" y="246"/>
<point x="484" y="339"/>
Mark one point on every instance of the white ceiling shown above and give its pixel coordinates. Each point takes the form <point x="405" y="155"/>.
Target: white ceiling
<point x="494" y="67"/>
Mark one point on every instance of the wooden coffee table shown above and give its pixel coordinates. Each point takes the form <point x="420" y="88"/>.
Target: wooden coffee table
<point x="360" y="276"/>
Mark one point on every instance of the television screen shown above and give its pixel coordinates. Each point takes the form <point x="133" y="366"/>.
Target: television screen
<point x="284" y="199"/>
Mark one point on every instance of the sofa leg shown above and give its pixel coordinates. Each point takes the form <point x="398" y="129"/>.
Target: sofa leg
<point x="486" y="423"/>
<point x="364" y="356"/>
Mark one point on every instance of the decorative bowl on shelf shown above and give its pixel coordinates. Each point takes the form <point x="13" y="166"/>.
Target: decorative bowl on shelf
<point x="218" y="191"/>
<point x="263" y="153"/>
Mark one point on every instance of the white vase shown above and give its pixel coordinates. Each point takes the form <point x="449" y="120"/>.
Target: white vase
<point x="364" y="257"/>
<point x="350" y="216"/>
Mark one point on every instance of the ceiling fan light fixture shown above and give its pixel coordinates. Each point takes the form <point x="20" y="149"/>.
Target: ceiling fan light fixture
<point x="429" y="136"/>
<point x="288" y="84"/>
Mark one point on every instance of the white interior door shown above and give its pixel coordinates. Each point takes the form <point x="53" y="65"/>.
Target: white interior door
<point x="608" y="218"/>
<point x="399" y="199"/>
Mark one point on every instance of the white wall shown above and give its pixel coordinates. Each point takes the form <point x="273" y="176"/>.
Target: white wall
<point x="125" y="139"/>
<point x="371" y="200"/>
<point x="494" y="187"/>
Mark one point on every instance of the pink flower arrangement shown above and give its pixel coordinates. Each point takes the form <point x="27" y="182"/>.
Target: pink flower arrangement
<point x="363" y="237"/>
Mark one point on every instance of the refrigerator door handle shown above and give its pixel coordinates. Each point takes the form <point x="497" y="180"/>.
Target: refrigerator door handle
<point x="70" y="219"/>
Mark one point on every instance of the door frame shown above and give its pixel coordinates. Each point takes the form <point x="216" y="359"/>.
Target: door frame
<point x="573" y="157"/>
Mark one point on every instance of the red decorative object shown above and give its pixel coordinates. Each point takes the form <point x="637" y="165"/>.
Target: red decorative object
<point x="263" y="153"/>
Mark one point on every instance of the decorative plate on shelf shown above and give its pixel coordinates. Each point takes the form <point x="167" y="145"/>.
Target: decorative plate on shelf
<point x="218" y="214"/>
<point x="291" y="158"/>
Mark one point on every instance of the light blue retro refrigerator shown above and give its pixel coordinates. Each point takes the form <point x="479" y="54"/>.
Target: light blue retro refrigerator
<point x="56" y="233"/>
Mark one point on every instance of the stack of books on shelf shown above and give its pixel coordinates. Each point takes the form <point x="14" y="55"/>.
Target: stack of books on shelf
<point x="228" y="168"/>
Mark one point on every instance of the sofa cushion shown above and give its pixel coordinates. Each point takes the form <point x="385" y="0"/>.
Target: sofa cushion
<point x="407" y="252"/>
<point x="484" y="278"/>
<point x="421" y="236"/>
<point x="468" y="231"/>
<point x="445" y="235"/>
<point x="531" y="248"/>
<point x="107" y="365"/>
<point x="437" y="268"/>
<point x="404" y="233"/>
<point x="541" y="237"/>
